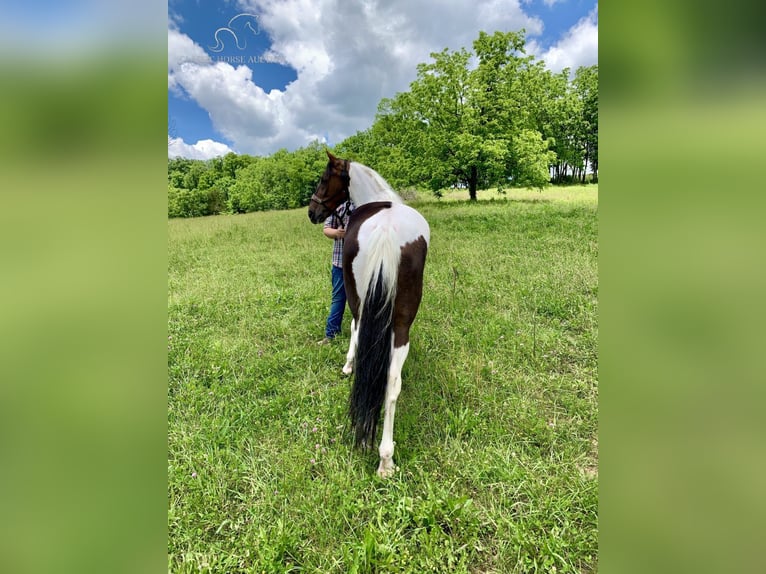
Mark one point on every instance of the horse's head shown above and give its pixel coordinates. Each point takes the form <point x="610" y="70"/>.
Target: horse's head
<point x="331" y="191"/>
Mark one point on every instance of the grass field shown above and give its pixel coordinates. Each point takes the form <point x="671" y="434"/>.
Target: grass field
<point x="496" y="425"/>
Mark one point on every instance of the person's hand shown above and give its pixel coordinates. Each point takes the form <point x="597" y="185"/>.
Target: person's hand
<point x="340" y="233"/>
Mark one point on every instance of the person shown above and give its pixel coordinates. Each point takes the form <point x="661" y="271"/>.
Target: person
<point x="335" y="229"/>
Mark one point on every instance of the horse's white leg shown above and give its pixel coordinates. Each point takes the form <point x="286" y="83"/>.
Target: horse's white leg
<point x="349" y="366"/>
<point x="398" y="356"/>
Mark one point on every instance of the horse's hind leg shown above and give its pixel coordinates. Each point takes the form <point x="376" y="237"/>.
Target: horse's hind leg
<point x="349" y="366"/>
<point x="394" y="385"/>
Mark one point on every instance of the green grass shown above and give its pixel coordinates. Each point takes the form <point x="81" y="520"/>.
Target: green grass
<point x="496" y="425"/>
<point x="587" y="194"/>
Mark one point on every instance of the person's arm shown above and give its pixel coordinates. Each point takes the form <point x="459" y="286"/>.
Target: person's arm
<point x="334" y="233"/>
<point x="333" y="228"/>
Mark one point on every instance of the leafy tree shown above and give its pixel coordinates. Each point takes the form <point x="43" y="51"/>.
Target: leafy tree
<point x="304" y="171"/>
<point x="186" y="202"/>
<point x="233" y="162"/>
<point x="207" y="178"/>
<point x="457" y="124"/>
<point x="177" y="169"/>
<point x="218" y="195"/>
<point x="191" y="179"/>
<point x="247" y="192"/>
<point x="531" y="158"/>
<point x="437" y="128"/>
<point x="382" y="147"/>
<point x="363" y="147"/>
<point x="564" y="111"/>
<point x="586" y="87"/>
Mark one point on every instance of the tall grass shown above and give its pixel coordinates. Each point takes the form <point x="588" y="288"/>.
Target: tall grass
<point x="496" y="425"/>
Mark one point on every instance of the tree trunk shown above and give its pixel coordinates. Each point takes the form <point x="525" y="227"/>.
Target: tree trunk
<point x="473" y="180"/>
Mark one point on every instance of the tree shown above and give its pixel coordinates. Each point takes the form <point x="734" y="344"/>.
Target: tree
<point x="457" y="125"/>
<point x="186" y="202"/>
<point x="304" y="170"/>
<point x="564" y="111"/>
<point x="586" y="87"/>
<point x="248" y="192"/>
<point x="438" y="131"/>
<point x="178" y="167"/>
<point x="195" y="171"/>
<point x="531" y="159"/>
<point x="233" y="162"/>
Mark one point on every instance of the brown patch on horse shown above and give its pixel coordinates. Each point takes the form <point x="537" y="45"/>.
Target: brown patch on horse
<point x="351" y="249"/>
<point x="409" y="289"/>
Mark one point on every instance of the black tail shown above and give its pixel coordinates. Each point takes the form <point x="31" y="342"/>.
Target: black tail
<point x="373" y="358"/>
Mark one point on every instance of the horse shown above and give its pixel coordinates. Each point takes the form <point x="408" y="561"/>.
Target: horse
<point x="384" y="255"/>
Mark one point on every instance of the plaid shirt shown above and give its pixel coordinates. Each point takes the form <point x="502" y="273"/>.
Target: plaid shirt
<point x="339" y="221"/>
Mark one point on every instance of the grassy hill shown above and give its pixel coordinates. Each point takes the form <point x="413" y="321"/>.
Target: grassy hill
<point x="496" y="425"/>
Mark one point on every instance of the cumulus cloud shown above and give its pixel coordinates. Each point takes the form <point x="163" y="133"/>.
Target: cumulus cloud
<point x="578" y="47"/>
<point x="203" y="149"/>
<point x="347" y="57"/>
<point x="182" y="51"/>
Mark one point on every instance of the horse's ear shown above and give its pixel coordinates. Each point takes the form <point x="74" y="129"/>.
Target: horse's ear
<point x="330" y="156"/>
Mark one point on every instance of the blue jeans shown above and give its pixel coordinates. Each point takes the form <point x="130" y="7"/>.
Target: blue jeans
<point x="338" y="305"/>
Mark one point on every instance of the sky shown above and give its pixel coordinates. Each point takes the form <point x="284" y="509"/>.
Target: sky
<point x="255" y="76"/>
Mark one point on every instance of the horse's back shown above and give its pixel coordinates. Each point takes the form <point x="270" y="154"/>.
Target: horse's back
<point x="400" y="222"/>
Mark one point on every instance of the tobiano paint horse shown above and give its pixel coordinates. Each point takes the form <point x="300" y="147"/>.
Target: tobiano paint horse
<point x="384" y="254"/>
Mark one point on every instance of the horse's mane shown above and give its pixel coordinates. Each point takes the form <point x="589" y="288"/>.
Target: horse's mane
<point x="368" y="185"/>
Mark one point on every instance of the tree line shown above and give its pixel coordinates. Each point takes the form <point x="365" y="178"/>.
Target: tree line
<point x="240" y="183"/>
<point x="491" y="117"/>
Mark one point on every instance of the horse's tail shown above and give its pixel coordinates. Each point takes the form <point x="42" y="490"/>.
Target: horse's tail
<point x="375" y="338"/>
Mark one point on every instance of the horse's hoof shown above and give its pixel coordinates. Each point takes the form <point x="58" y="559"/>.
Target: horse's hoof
<point x="386" y="471"/>
<point x="347" y="369"/>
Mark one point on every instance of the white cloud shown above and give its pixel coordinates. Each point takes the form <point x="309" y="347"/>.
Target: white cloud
<point x="347" y="56"/>
<point x="578" y="47"/>
<point x="181" y="50"/>
<point x="203" y="149"/>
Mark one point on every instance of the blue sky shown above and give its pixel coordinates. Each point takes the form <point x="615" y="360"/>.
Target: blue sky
<point x="254" y="76"/>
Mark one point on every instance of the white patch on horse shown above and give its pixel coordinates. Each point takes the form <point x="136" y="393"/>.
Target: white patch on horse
<point x="348" y="368"/>
<point x="381" y="239"/>
<point x="386" y="449"/>
<point x="379" y="252"/>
